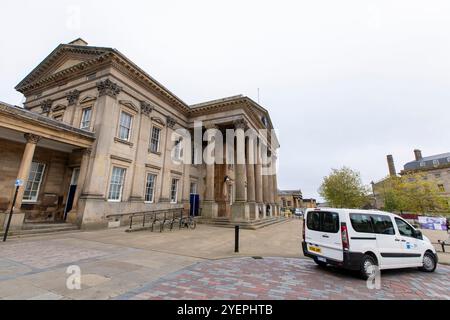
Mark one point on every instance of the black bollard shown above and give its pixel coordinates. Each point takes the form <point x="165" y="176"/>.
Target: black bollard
<point x="236" y="239"/>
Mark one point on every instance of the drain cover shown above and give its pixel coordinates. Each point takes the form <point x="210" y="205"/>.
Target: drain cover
<point x="257" y="258"/>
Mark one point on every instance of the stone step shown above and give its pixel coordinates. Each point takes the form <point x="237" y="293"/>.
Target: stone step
<point x="41" y="230"/>
<point x="250" y="225"/>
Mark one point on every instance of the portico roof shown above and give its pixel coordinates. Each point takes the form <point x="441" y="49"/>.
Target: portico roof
<point x="21" y="120"/>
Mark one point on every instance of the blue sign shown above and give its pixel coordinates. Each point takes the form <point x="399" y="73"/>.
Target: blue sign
<point x="18" y="183"/>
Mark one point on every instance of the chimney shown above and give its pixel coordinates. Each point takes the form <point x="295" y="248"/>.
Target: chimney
<point x="418" y="154"/>
<point x="391" y="166"/>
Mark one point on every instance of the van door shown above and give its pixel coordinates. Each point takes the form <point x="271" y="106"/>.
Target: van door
<point x="324" y="237"/>
<point x="410" y="251"/>
<point x="388" y="244"/>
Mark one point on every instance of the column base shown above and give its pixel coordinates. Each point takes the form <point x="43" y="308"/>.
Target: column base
<point x="253" y="210"/>
<point x="240" y="211"/>
<point x="210" y="209"/>
<point x="17" y="220"/>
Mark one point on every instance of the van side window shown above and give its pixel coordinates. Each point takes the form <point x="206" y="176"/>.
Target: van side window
<point x="313" y="221"/>
<point x="404" y="228"/>
<point x="382" y="224"/>
<point x="323" y="221"/>
<point x="330" y="222"/>
<point x="361" y="223"/>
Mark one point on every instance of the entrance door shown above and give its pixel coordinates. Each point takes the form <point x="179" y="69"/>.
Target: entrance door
<point x="72" y="190"/>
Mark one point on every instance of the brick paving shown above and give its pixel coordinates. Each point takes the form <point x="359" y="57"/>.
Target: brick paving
<point x="289" y="278"/>
<point x="190" y="264"/>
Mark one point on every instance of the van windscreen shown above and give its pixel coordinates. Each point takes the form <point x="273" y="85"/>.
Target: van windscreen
<point x="323" y="221"/>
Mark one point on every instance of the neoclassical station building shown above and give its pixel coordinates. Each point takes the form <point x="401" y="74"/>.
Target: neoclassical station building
<point x="95" y="138"/>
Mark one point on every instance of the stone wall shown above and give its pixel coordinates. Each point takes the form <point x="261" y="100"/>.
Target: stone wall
<point x="54" y="186"/>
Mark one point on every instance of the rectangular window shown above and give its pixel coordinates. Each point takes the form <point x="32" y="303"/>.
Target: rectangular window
<point x="34" y="182"/>
<point x="150" y="188"/>
<point x="154" y="139"/>
<point x="58" y="117"/>
<point x="361" y="223"/>
<point x="323" y="221"/>
<point x="436" y="162"/>
<point x="382" y="224"/>
<point x="193" y="188"/>
<point x="116" y="184"/>
<point x="86" y="119"/>
<point x="125" y="126"/>
<point x="174" y="191"/>
<point x="177" y="153"/>
<point x="404" y="228"/>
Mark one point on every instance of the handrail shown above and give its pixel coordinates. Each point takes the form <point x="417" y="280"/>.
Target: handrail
<point x="143" y="212"/>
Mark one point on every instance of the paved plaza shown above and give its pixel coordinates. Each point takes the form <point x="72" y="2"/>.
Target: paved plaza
<point x="193" y="264"/>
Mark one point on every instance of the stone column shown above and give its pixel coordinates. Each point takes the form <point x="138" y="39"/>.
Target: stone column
<point x="240" y="209"/>
<point x="74" y="216"/>
<point x="24" y="171"/>
<point x="258" y="181"/>
<point x="275" y="185"/>
<point x="251" y="191"/>
<point x="210" y="207"/>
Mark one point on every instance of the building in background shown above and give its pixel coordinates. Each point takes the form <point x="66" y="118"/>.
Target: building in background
<point x="290" y="199"/>
<point x="95" y="138"/>
<point x="436" y="170"/>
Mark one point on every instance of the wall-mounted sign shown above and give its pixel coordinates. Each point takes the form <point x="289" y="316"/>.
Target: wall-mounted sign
<point x="433" y="223"/>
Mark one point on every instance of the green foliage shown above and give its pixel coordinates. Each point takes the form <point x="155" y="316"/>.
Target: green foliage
<point x="413" y="193"/>
<point x="343" y="188"/>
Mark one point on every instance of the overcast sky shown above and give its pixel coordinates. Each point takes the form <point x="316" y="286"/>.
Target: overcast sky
<point x="345" y="82"/>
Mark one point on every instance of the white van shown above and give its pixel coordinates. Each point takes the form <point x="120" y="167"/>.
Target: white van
<point x="361" y="239"/>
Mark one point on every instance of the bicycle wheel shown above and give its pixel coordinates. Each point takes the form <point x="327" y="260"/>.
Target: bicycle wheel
<point x="193" y="224"/>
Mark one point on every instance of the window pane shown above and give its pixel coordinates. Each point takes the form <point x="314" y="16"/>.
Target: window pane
<point x="34" y="181"/>
<point x="116" y="184"/>
<point x="330" y="222"/>
<point x="125" y="126"/>
<point x="313" y="221"/>
<point x="173" y="190"/>
<point x="361" y="223"/>
<point x="404" y="228"/>
<point x="154" y="140"/>
<point x="86" y="118"/>
<point x="150" y="187"/>
<point x="382" y="224"/>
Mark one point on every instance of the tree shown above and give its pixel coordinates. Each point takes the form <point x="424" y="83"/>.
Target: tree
<point x="343" y="188"/>
<point x="413" y="193"/>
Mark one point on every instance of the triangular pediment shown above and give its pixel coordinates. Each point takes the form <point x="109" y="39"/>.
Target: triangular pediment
<point x="64" y="57"/>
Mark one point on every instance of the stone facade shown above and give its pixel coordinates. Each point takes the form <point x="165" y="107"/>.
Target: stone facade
<point x="290" y="199"/>
<point x="436" y="170"/>
<point x="98" y="94"/>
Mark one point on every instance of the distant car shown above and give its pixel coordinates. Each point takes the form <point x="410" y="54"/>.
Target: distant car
<point x="361" y="239"/>
<point x="298" y="212"/>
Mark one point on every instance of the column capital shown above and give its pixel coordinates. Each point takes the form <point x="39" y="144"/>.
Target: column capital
<point x="240" y="124"/>
<point x="171" y="122"/>
<point x="32" y="138"/>
<point x="107" y="87"/>
<point x="87" y="151"/>
<point x="72" y="97"/>
<point x="211" y="125"/>
<point x="46" y="106"/>
<point x="146" y="108"/>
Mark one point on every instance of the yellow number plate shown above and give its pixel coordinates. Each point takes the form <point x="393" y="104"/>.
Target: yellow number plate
<point x="315" y="249"/>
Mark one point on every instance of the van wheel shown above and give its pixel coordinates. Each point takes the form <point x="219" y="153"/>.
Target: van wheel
<point x="320" y="263"/>
<point x="429" y="262"/>
<point x="368" y="267"/>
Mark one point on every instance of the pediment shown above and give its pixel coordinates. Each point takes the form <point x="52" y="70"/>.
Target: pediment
<point x="62" y="58"/>
<point x="158" y="120"/>
<point x="129" y="105"/>
<point x="87" y="99"/>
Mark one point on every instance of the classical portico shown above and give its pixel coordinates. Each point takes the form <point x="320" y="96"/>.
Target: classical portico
<point x="243" y="186"/>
